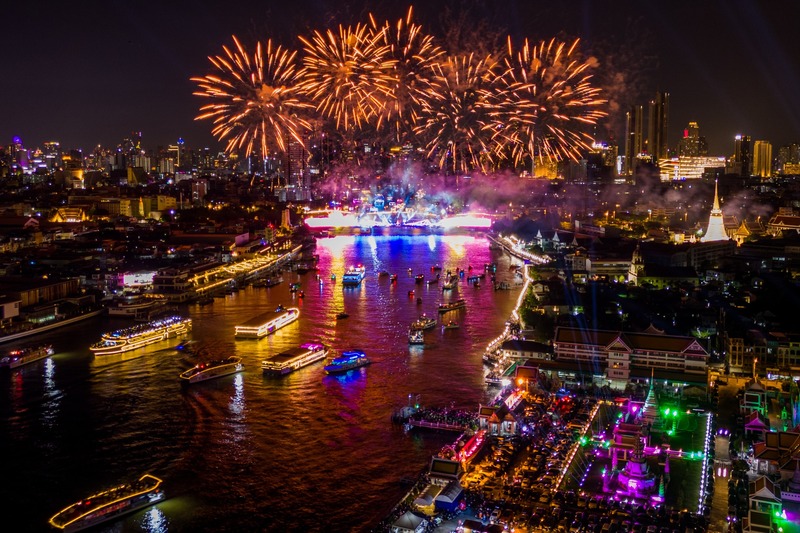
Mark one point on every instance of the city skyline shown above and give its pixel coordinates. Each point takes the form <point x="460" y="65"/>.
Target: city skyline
<point x="92" y="77"/>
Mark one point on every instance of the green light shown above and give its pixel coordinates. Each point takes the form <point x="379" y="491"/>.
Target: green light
<point x="667" y="411"/>
<point x="670" y="432"/>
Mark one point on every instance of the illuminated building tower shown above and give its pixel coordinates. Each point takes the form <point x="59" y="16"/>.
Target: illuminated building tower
<point x="762" y="159"/>
<point x="658" y="126"/>
<point x="742" y="155"/>
<point x="716" y="227"/>
<point x="636" y="479"/>
<point x="649" y="412"/>
<point x="633" y="138"/>
<point x="295" y="169"/>
<point x="692" y="144"/>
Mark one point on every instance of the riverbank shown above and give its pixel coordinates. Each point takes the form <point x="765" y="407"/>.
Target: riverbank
<point x="36" y="330"/>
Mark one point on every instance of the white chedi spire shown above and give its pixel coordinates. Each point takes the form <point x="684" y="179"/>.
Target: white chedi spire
<point x="716" y="228"/>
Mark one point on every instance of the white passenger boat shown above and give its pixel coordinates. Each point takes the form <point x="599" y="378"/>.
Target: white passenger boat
<point x="109" y="504"/>
<point x="127" y="339"/>
<point x="23" y="356"/>
<point x="268" y="323"/>
<point x="353" y="276"/>
<point x="212" y="369"/>
<point x="294" y="358"/>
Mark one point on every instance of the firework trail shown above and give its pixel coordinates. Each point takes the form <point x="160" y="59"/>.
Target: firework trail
<point x="455" y="113"/>
<point x="347" y="75"/>
<point x="413" y="54"/>
<point x="255" y="101"/>
<point x="544" y="103"/>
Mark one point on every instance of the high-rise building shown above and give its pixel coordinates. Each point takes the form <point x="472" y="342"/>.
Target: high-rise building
<point x="788" y="158"/>
<point x="742" y="155"/>
<point x="692" y="144"/>
<point x="762" y="159"/>
<point x="657" y="127"/>
<point x="633" y="138"/>
<point x="295" y="169"/>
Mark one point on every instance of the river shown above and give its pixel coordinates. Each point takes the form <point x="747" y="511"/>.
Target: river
<point x="305" y="452"/>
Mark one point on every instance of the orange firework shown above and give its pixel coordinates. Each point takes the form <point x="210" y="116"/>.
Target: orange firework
<point x="456" y="111"/>
<point x="413" y="54"/>
<point x="346" y="74"/>
<point x="545" y="103"/>
<point x="254" y="100"/>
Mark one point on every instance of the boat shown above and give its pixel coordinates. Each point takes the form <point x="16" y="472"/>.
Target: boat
<point x="341" y="315"/>
<point x="353" y="276"/>
<point x="383" y="274"/>
<point x="347" y="361"/>
<point x="206" y="300"/>
<point x="452" y="306"/>
<point x="419" y="278"/>
<point x="127" y="339"/>
<point x="452" y="325"/>
<point x="212" y="369"/>
<point x="450" y="283"/>
<point x="267" y="324"/>
<point x="434" y="268"/>
<point x="23" y="356"/>
<point x="423" y="322"/>
<point x="393" y="278"/>
<point x="109" y="504"/>
<point x="133" y="307"/>
<point x="502" y="286"/>
<point x="416" y="336"/>
<point x="294" y="358"/>
<point x="433" y="281"/>
<point x="272" y="282"/>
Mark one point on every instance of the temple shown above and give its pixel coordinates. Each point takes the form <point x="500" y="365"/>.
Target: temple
<point x="716" y="228"/>
<point x="635" y="479"/>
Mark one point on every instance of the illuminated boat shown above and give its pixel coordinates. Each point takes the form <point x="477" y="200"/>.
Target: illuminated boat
<point x="136" y="307"/>
<point x="127" y="339"/>
<point x="294" y="358"/>
<point x="268" y="323"/>
<point x="212" y="369"/>
<point x="452" y="325"/>
<point x="24" y="356"/>
<point x="450" y="284"/>
<point x="452" y="306"/>
<point x="422" y="323"/>
<point x="347" y="361"/>
<point x="109" y="504"/>
<point x="415" y="336"/>
<point x="353" y="276"/>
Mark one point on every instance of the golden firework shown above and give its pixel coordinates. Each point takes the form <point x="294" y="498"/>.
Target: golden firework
<point x="255" y="101"/>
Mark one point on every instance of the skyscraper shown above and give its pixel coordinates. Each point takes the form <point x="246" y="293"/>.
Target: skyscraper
<point x="633" y="138"/>
<point x="743" y="155"/>
<point x="762" y="159"/>
<point x="692" y="144"/>
<point x="657" y="127"/>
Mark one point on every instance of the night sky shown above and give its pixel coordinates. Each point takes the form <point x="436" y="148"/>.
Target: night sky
<point x="88" y="73"/>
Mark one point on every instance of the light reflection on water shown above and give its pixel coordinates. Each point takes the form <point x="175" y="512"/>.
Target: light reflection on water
<point x="245" y="452"/>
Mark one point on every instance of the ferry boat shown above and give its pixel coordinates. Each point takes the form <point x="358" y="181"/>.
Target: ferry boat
<point x="294" y="358"/>
<point x="353" y="276"/>
<point x="347" y="361"/>
<point x="135" y="307"/>
<point x="268" y="323"/>
<point x="109" y="504"/>
<point x="212" y="369"/>
<point x="127" y="339"/>
<point x="423" y="322"/>
<point x="24" y="356"/>
<point x="415" y="336"/>
<point x="458" y="304"/>
<point x="450" y="283"/>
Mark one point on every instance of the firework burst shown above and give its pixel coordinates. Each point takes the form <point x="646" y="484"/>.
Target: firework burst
<point x="413" y="54"/>
<point x="254" y="100"/>
<point x="456" y="111"/>
<point x="346" y="74"/>
<point x="544" y="103"/>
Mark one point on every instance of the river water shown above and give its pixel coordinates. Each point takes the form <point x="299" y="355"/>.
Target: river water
<point x="305" y="452"/>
